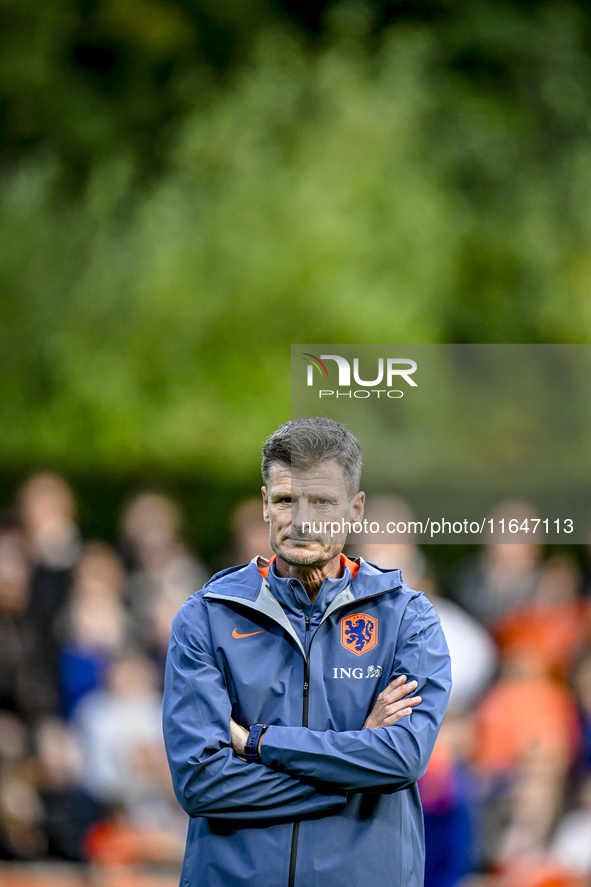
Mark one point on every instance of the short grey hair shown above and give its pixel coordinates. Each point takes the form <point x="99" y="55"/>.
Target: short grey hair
<point x="303" y="443"/>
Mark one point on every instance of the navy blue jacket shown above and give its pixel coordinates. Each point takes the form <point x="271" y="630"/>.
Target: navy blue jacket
<point x="331" y="804"/>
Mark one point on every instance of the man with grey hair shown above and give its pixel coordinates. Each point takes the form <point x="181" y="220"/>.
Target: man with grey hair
<point x="292" y="738"/>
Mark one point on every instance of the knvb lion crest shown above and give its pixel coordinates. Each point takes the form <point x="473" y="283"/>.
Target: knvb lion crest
<point x="359" y="633"/>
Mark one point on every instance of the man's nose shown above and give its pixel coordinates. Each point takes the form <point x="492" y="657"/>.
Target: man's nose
<point x="300" y="513"/>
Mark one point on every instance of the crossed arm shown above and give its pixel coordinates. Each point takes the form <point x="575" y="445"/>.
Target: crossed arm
<point x="303" y="772"/>
<point x="391" y="705"/>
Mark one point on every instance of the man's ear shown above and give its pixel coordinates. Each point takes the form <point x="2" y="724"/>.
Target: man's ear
<point x="358" y="506"/>
<point x="265" y="505"/>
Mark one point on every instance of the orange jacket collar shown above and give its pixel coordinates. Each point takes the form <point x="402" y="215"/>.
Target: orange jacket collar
<point x="345" y="562"/>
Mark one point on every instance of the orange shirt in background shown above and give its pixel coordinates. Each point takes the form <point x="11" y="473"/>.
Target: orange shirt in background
<point x="554" y="631"/>
<point x="519" y="716"/>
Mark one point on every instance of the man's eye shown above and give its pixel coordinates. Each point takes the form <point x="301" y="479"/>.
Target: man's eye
<point x="322" y="501"/>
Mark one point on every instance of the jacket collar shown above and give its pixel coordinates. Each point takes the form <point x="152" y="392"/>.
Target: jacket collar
<point x="246" y="581"/>
<point x="263" y="565"/>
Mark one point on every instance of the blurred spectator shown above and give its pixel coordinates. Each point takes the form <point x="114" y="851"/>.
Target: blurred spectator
<point x="582" y="685"/>
<point x="117" y="842"/>
<point x="124" y="761"/>
<point x="571" y="844"/>
<point x="400" y="551"/>
<point x="94" y="626"/>
<point x="68" y="810"/>
<point x="48" y="511"/>
<point x="21" y="808"/>
<point x="250" y="533"/>
<point x="554" y="622"/>
<point x="536" y="872"/>
<point x="26" y="683"/>
<point x="473" y="653"/>
<point x="501" y="575"/>
<point x="449" y="797"/>
<point x="111" y="724"/>
<point x="164" y="572"/>
<point x="525" y="739"/>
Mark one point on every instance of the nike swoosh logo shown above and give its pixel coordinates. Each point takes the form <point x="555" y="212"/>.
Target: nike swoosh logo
<point x="249" y="634"/>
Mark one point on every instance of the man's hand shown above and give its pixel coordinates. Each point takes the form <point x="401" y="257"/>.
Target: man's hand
<point x="239" y="736"/>
<point x="391" y="705"/>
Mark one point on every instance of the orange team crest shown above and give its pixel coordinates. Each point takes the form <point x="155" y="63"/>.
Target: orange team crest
<point x="359" y="633"/>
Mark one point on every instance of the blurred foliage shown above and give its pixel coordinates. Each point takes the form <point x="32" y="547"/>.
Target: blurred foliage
<point x="188" y="188"/>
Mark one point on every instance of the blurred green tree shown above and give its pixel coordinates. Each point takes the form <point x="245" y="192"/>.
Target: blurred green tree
<point x="425" y="181"/>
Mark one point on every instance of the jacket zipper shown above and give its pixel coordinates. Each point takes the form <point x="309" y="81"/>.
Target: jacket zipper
<point x="305" y="707"/>
<point x="296" y="826"/>
<point x="306" y="700"/>
<point x="294" y="853"/>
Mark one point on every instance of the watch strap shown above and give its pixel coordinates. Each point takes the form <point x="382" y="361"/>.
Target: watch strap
<point x="251" y="747"/>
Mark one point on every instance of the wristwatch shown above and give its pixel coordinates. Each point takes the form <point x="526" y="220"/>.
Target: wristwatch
<point x="251" y="747"/>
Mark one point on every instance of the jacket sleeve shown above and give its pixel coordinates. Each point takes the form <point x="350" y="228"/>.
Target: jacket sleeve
<point x="386" y="759"/>
<point x="208" y="778"/>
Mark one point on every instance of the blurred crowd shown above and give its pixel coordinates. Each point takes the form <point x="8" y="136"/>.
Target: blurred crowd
<point x="507" y="794"/>
<point x="83" y="635"/>
<point x="84" y="628"/>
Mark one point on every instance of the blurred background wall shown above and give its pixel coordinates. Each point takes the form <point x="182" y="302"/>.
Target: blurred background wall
<point x="186" y="188"/>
